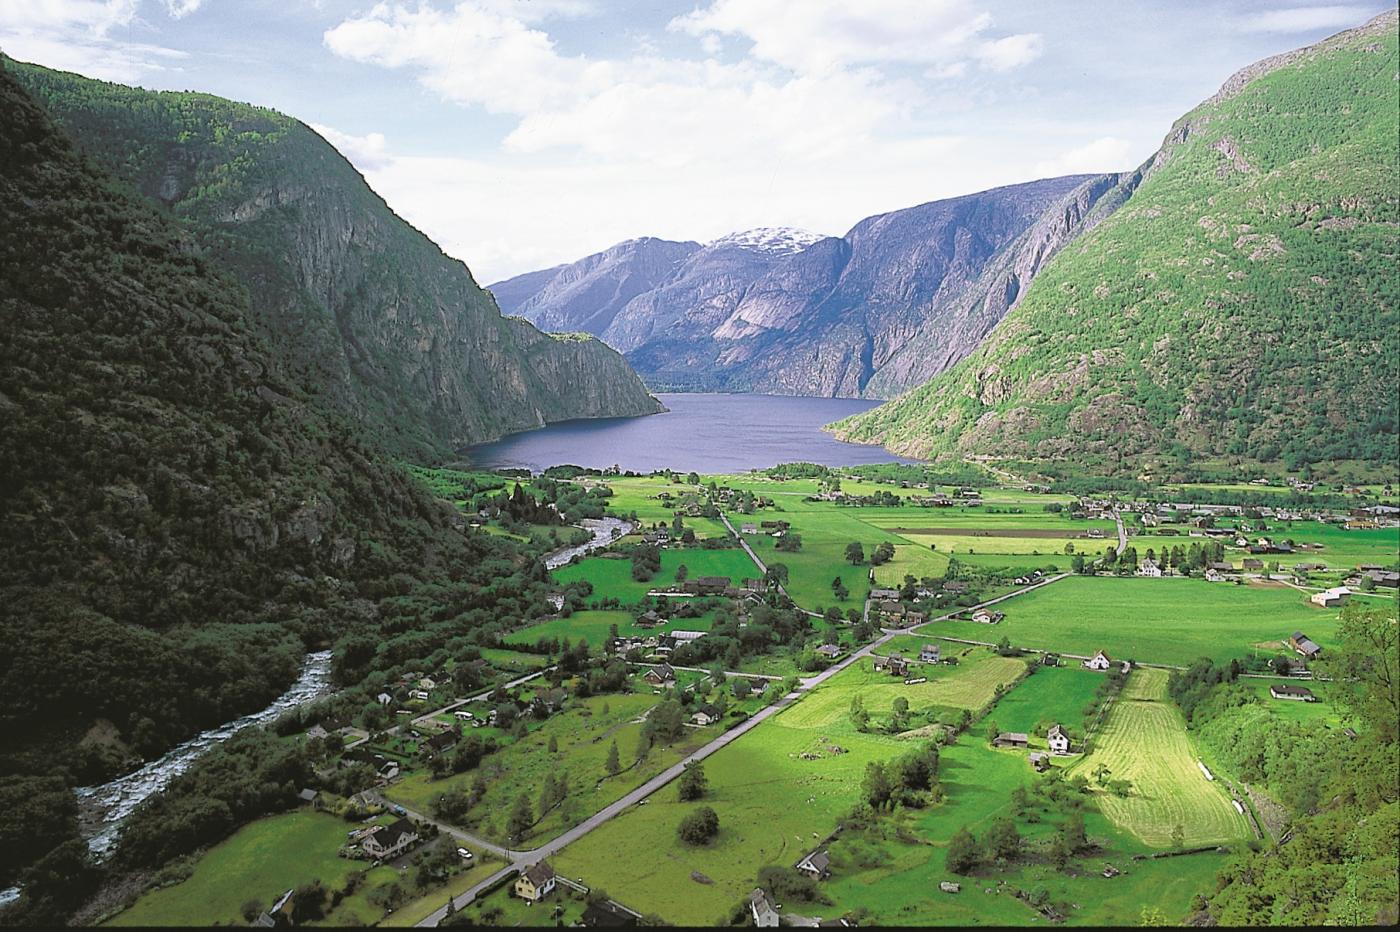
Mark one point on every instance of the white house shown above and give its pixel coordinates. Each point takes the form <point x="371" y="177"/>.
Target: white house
<point x="389" y="841"/>
<point x="1296" y="693"/>
<point x="1150" y="567"/>
<point x="1332" y="598"/>
<point x="1058" y="740"/>
<point x="1099" y="661"/>
<point x="765" y="916"/>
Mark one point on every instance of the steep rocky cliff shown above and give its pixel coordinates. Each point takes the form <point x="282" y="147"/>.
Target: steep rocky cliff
<point x="367" y="311"/>
<point x="1241" y="305"/>
<point x="900" y="297"/>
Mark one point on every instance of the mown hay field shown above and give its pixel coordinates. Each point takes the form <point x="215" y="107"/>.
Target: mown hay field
<point x="1144" y="740"/>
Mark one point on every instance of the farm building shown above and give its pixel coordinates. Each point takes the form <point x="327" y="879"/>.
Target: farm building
<point x="1297" y="693"/>
<point x="984" y="617"/>
<point x="765" y="916"/>
<point x="948" y="886"/>
<point x="816" y="865"/>
<point x="707" y="585"/>
<point x="884" y="595"/>
<point x="1040" y="761"/>
<point x="929" y="653"/>
<point x="1011" y="739"/>
<point x="535" y="882"/>
<point x="1058" y="740"/>
<point x="1099" y="661"/>
<point x="1332" y="598"/>
<point x="705" y="715"/>
<point x="748" y="528"/>
<point x="894" y="664"/>
<point x="661" y="675"/>
<point x="1304" y="645"/>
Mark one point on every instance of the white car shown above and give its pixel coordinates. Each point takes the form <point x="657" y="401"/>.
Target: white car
<point x="464" y="854"/>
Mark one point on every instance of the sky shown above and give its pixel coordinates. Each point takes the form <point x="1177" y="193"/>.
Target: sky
<point x="520" y="134"/>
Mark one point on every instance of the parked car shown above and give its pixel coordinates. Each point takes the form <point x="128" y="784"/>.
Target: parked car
<point x="464" y="854"/>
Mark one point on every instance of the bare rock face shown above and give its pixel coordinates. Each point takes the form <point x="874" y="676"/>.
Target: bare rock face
<point x="900" y="297"/>
<point x="369" y="311"/>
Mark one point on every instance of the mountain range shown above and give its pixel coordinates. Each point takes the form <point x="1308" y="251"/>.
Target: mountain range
<point x="899" y="298"/>
<point x="1241" y="305"/>
<point x="365" y="310"/>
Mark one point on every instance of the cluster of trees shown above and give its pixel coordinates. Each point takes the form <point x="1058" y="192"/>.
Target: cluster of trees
<point x="646" y="561"/>
<point x="699" y="827"/>
<point x="908" y="781"/>
<point x="883" y="553"/>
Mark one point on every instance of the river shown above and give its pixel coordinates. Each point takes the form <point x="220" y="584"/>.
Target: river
<point x="103" y="809"/>
<point x="602" y="530"/>
<point x="701" y="432"/>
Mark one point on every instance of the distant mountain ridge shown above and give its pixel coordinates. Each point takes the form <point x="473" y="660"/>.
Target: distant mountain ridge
<point x="789" y="312"/>
<point x="366" y="309"/>
<point x="1241" y="305"/>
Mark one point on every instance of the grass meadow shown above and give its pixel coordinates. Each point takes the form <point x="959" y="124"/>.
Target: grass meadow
<point x="1144" y="740"/>
<point x="1168" y="621"/>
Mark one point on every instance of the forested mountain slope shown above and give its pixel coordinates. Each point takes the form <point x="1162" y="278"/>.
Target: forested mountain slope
<point x="181" y="523"/>
<point x="1242" y="304"/>
<point x="367" y="312"/>
<point x="900" y="297"/>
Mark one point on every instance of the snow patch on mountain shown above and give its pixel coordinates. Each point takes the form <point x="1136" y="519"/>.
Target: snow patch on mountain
<point x="774" y="240"/>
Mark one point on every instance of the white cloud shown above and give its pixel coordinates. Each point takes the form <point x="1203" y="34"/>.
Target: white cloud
<point x="1105" y="154"/>
<point x="179" y="9"/>
<point x="1305" y="19"/>
<point x="1010" y="52"/>
<point x="367" y="153"/>
<point x="471" y="54"/>
<point x="77" y="35"/>
<point x="820" y="35"/>
<point x="816" y="123"/>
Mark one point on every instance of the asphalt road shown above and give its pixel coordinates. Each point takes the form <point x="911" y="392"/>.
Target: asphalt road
<point x="522" y="859"/>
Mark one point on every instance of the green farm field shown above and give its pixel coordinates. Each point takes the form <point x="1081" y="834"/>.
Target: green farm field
<point x="969" y="685"/>
<point x="911" y="560"/>
<point x="260" y="861"/>
<point x="1144" y="740"/>
<point x="593" y="627"/>
<point x="1169" y="621"/>
<point x="1051" y="695"/>
<point x="772" y="803"/>
<point x="613" y="578"/>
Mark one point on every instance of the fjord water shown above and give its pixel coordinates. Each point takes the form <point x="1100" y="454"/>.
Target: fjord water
<point x="702" y="432"/>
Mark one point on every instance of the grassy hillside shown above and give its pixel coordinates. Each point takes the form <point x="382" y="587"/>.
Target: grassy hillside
<point x="1241" y="306"/>
<point x="364" y="311"/>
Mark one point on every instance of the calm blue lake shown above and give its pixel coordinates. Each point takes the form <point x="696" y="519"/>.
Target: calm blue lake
<point x="705" y="433"/>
